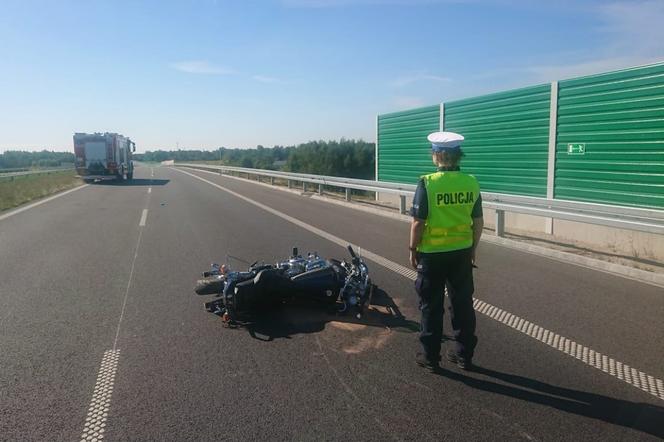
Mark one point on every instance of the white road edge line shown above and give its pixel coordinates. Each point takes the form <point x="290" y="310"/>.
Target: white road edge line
<point x="144" y="217"/>
<point x="598" y="265"/>
<point x="40" y="202"/>
<point x="610" y="366"/>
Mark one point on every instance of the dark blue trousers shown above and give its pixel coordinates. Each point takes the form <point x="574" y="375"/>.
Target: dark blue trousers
<point x="434" y="272"/>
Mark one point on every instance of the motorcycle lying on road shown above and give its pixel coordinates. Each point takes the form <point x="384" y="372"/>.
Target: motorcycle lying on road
<point x="345" y="285"/>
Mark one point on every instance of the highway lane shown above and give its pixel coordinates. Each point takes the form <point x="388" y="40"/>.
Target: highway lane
<point x="270" y="388"/>
<point x="616" y="316"/>
<point x="303" y="375"/>
<point x="63" y="272"/>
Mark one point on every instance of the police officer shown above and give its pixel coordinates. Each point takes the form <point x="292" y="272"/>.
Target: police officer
<point x="446" y="228"/>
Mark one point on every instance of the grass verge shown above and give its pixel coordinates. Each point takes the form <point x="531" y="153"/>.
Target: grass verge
<point x="24" y="188"/>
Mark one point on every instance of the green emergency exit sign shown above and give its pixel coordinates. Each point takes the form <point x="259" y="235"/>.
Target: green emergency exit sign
<point x="576" y="148"/>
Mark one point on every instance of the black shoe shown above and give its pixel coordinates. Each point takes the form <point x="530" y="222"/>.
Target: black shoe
<point x="460" y="361"/>
<point x="427" y="363"/>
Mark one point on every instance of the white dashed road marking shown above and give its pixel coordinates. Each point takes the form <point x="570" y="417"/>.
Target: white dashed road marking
<point x="608" y="365"/>
<point x="95" y="422"/>
<point x="149" y="189"/>
<point x="144" y="217"/>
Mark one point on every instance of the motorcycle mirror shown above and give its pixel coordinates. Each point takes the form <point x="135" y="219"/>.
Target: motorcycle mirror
<point x="295" y="252"/>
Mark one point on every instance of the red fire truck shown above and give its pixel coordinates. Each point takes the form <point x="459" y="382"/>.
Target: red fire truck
<point x="103" y="156"/>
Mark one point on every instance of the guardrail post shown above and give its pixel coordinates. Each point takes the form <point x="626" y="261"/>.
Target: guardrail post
<point x="221" y="171"/>
<point x="320" y="189"/>
<point x="304" y="186"/>
<point x="348" y="193"/>
<point x="402" y="204"/>
<point x="271" y="181"/>
<point x="500" y="223"/>
<point x="290" y="184"/>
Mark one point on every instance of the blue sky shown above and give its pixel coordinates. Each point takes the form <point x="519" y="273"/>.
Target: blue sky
<point x="206" y="73"/>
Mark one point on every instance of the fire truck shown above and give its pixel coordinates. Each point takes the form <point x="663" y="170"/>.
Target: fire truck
<point x="103" y="156"/>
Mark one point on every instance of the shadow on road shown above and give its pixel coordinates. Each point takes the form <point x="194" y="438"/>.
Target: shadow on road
<point x="301" y="316"/>
<point x="643" y="417"/>
<point x="132" y="183"/>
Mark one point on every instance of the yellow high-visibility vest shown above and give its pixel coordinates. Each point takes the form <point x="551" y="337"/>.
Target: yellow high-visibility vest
<point x="451" y="196"/>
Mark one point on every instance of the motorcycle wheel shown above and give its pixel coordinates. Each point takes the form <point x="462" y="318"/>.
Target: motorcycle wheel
<point x="210" y="286"/>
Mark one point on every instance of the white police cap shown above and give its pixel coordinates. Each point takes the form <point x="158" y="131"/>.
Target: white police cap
<point x="441" y="141"/>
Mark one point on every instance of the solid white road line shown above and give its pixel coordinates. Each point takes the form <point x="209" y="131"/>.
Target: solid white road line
<point x="608" y="365"/>
<point x="131" y="276"/>
<point x="642" y="276"/>
<point x="95" y="421"/>
<point x="621" y="371"/>
<point x="40" y="202"/>
<point x="144" y="217"/>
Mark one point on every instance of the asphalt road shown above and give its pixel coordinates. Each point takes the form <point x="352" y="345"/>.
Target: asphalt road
<point x="79" y="276"/>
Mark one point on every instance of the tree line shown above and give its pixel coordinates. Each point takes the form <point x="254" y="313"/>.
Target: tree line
<point x="18" y="159"/>
<point x="347" y="158"/>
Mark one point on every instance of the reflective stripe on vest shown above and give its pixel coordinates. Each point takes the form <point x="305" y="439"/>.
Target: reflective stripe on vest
<point x="451" y="197"/>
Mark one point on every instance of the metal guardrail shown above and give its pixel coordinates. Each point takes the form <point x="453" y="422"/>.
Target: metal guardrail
<point x="12" y="175"/>
<point x="12" y="170"/>
<point x="621" y="217"/>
